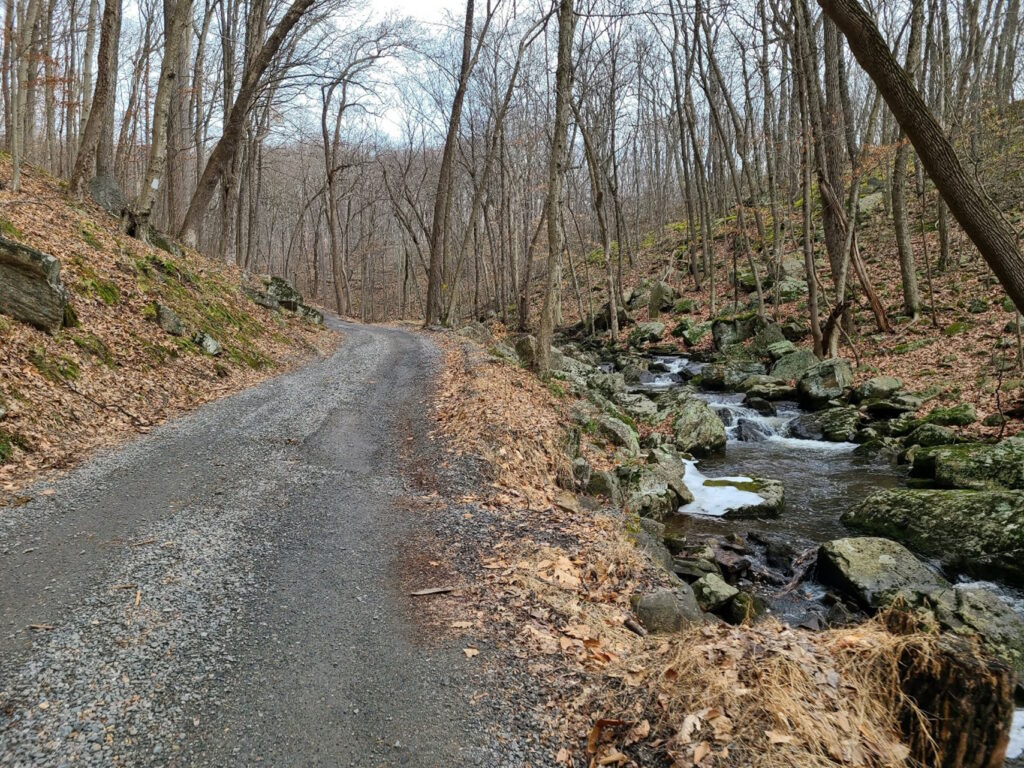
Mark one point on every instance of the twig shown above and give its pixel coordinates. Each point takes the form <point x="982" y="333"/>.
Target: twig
<point x="432" y="591"/>
<point x="634" y="626"/>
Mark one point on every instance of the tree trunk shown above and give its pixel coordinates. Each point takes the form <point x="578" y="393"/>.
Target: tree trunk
<point x="977" y="214"/>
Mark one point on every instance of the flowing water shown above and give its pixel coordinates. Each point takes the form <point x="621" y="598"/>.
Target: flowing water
<point x="821" y="480"/>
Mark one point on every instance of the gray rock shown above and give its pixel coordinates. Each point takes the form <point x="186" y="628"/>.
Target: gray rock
<point x="713" y="592"/>
<point x="874" y="572"/>
<point x="284" y="293"/>
<point x="696" y="428"/>
<point x="973" y="466"/>
<point x="780" y="349"/>
<point x="646" y="333"/>
<point x="617" y="433"/>
<point x="30" y="287"/>
<point x="262" y="299"/>
<point x="836" y="425"/>
<point x="659" y="489"/>
<point x="606" y="484"/>
<point x="207" y="343"/>
<point x="977" y="532"/>
<point x="727" y="331"/>
<point x="823" y="382"/>
<point x="169" y="321"/>
<point x="107" y="194"/>
<point x="794" y="365"/>
<point x="637" y="406"/>
<point x="476" y="331"/>
<point x="971" y="608"/>
<point x="771" y="492"/>
<point x="955" y="416"/>
<point x="931" y="435"/>
<point x="662" y="298"/>
<point x="314" y="316"/>
<point x="526" y="350"/>
<point x="730" y="375"/>
<point x="878" y="388"/>
<point x="607" y="384"/>
<point x="581" y="471"/>
<point x="667" y="610"/>
<point x="696" y="333"/>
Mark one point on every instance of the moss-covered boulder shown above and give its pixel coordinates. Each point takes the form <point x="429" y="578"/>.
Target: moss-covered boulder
<point x="728" y="376"/>
<point x="878" y="388"/>
<point x="637" y="406"/>
<point x="959" y="415"/>
<point x="733" y="330"/>
<point x="646" y="333"/>
<point x="931" y="435"/>
<point x="661" y="299"/>
<point x="793" y="365"/>
<point x="618" y="433"/>
<point x="30" y="286"/>
<point x="976" y="532"/>
<point x="823" y="382"/>
<point x="696" y="428"/>
<point x="974" y="466"/>
<point x="695" y="334"/>
<point x="836" y="425"/>
<point x="779" y="349"/>
<point x="658" y="491"/>
<point x="873" y="572"/>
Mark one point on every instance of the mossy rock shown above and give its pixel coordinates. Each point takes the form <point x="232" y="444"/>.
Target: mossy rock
<point x="955" y="416"/>
<point x="685" y="306"/>
<point x="955" y="329"/>
<point x="975" y="466"/>
<point x="977" y="532"/>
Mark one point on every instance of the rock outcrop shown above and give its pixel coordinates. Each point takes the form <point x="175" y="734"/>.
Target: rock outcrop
<point x="30" y="287"/>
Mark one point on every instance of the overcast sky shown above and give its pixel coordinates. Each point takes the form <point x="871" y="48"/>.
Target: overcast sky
<point x="424" y="10"/>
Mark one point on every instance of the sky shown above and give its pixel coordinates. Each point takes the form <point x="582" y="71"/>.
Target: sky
<point x="424" y="10"/>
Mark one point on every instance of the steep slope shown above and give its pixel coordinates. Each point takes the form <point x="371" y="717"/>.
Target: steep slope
<point x="113" y="370"/>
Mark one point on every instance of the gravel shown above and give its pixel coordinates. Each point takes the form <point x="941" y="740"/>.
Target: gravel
<point x="226" y="591"/>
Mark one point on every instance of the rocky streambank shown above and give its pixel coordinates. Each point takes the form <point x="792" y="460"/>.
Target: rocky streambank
<point x="661" y="417"/>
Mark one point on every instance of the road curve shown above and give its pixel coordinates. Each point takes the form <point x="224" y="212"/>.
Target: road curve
<point x="223" y="592"/>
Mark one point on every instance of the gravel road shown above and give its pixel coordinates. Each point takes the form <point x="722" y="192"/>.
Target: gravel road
<point x="224" y="591"/>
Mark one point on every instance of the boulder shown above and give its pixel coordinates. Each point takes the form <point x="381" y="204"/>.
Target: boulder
<point x="207" y="343"/>
<point x="107" y="194"/>
<point x="695" y="333"/>
<point x="646" y="333"/>
<point x="779" y="349"/>
<point x="606" y="484"/>
<point x="314" y="316"/>
<point x="727" y="331"/>
<point x="618" y="433"/>
<point x="637" y="406"/>
<point x="262" y="299"/>
<point x="769" y="388"/>
<point x="696" y="428"/>
<point x="766" y="337"/>
<point x="873" y="572"/>
<point x="284" y="293"/>
<point x="168" y="321"/>
<point x="661" y="299"/>
<point x="836" y="425"/>
<point x="892" y="406"/>
<point x="713" y="592"/>
<point x="602" y="320"/>
<point x="667" y="610"/>
<point x="878" y="388"/>
<point x="970" y="608"/>
<point x="788" y="289"/>
<point x="728" y="376"/>
<point x="794" y="365"/>
<point x="823" y="382"/>
<point x="955" y="416"/>
<point x="607" y="384"/>
<point x="30" y="287"/>
<point x="974" y="466"/>
<point x="658" y="493"/>
<point x="526" y="350"/>
<point x="581" y="471"/>
<point x="476" y="331"/>
<point x="977" y="532"/>
<point x="931" y="435"/>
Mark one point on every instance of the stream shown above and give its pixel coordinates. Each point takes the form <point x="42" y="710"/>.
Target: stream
<point x="822" y="480"/>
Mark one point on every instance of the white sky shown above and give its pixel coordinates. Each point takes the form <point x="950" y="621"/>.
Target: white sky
<point x="424" y="10"/>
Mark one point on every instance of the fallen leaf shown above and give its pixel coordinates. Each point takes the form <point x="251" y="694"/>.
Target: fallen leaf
<point x="461" y="624"/>
<point x="471" y="652"/>
<point x="777" y="737"/>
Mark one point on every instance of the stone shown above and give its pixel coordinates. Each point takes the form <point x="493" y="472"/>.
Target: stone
<point x="646" y="333"/>
<point x="696" y="333"/>
<point x="835" y="425"/>
<point x="788" y="289"/>
<point x="766" y="337"/>
<point x="607" y="384"/>
<point x="262" y="299"/>
<point x="661" y="299"/>
<point x="761" y="405"/>
<point x="878" y="388"/>
<point x="207" y="343"/>
<point x="971" y="608"/>
<point x="873" y="572"/>
<point x="792" y="366"/>
<point x="107" y="194"/>
<point x="729" y="376"/>
<point x="31" y="290"/>
<point x="892" y="406"/>
<point x="283" y="292"/>
<point x="685" y="306"/>
<point x="168" y="321"/>
<point x="606" y="484"/>
<point x="526" y="350"/>
<point x="692" y="568"/>
<point x="637" y="406"/>
<point x="955" y="416"/>
<point x="744" y="608"/>
<point x="780" y="349"/>
<point x="973" y="466"/>
<point x="771" y="492"/>
<point x="975" y="532"/>
<point x="823" y="382"/>
<point x="618" y="433"/>
<point x="476" y="331"/>
<point x="696" y="428"/>
<point x="770" y="389"/>
<point x="658" y="492"/>
<point x="713" y="592"/>
<point x="727" y="331"/>
<point x="667" y="610"/>
<point x="931" y="435"/>
<point x="314" y="316"/>
<point x="581" y="471"/>
<point x="602" y="319"/>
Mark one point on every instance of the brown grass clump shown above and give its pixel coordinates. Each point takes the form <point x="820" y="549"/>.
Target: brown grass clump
<point x="764" y="696"/>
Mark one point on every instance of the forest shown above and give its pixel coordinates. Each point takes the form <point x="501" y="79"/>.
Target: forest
<point x="598" y="382"/>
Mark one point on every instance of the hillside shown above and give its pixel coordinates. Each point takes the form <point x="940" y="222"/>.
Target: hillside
<point x="115" y="372"/>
